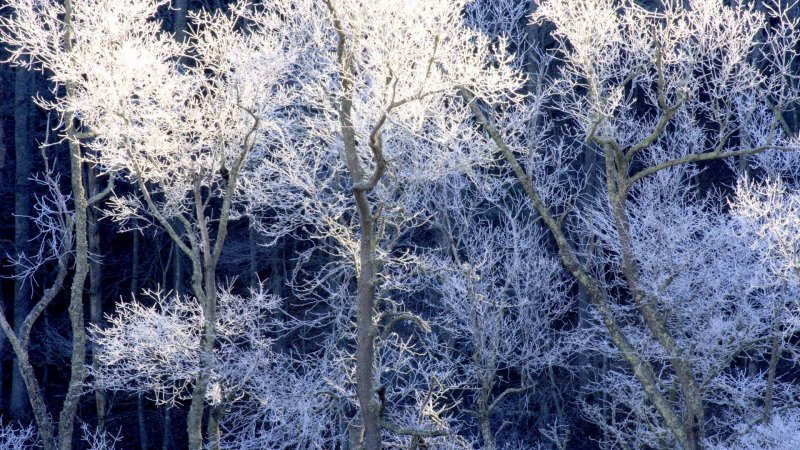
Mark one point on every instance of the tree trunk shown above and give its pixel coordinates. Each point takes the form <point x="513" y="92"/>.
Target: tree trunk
<point x="365" y="345"/>
<point x="484" y="419"/>
<point x="78" y="361"/>
<point x="4" y="187"/>
<point x="140" y="418"/>
<point x="140" y="406"/>
<point x="277" y="280"/>
<point x="177" y="266"/>
<point x="207" y="296"/>
<point x="22" y="195"/>
<point x="775" y="356"/>
<point x="194" y="421"/>
<point x="95" y="294"/>
<point x="694" y="417"/>
<point x="213" y="431"/>
<point x="180" y="11"/>
<point x="252" y="253"/>
<point x="365" y="284"/>
<point x="166" y="439"/>
<point x="43" y="421"/>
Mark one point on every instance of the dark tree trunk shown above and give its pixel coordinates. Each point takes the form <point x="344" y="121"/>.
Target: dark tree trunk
<point x="95" y="294"/>
<point x="181" y="8"/>
<point x="140" y="416"/>
<point x="19" y="407"/>
<point x="4" y="187"/>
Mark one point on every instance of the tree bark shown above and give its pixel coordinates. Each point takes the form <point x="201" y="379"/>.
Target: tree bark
<point x="252" y="253"/>
<point x="140" y="406"/>
<point x="365" y="283"/>
<point x="22" y="200"/>
<point x="95" y="294"/>
<point x="4" y="188"/>
<point x="213" y="431"/>
<point x="180" y="11"/>
<point x="775" y="356"/>
<point x="365" y="346"/>
<point x="141" y="419"/>
<point x="177" y="267"/>
<point x="166" y="439"/>
<point x="694" y="417"/>
<point x="78" y="361"/>
<point x="43" y="421"/>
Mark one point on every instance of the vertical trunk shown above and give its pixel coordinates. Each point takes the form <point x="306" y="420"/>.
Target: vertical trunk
<point x="177" y="286"/>
<point x="355" y="435"/>
<point x="485" y="368"/>
<point x="204" y="284"/>
<point x="207" y="296"/>
<point x="194" y="421"/>
<point x="46" y="370"/>
<point x="484" y="414"/>
<point x="78" y="360"/>
<point x="277" y="269"/>
<point x="775" y="356"/>
<point x="22" y="194"/>
<point x="77" y="370"/>
<point x="180" y="11"/>
<point x="252" y="253"/>
<point x="3" y="148"/>
<point x="140" y="417"/>
<point x="365" y="345"/>
<point x="209" y="340"/>
<point x="177" y="268"/>
<point x="205" y="255"/>
<point x="166" y="439"/>
<point x="3" y="191"/>
<point x="140" y="406"/>
<point x="277" y="280"/>
<point x="365" y="294"/>
<point x="694" y="417"/>
<point x="486" y="433"/>
<point x="213" y="431"/>
<point x="95" y="294"/>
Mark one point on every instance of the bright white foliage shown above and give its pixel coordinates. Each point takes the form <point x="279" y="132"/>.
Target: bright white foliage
<point x="500" y="297"/>
<point x="94" y="439"/>
<point x="771" y="214"/>
<point x="456" y="315"/>
<point x="694" y="58"/>
<point x="781" y="434"/>
<point x="18" y="437"/>
<point x="156" y="349"/>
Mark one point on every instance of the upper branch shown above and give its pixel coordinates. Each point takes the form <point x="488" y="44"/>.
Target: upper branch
<point x="697" y="157"/>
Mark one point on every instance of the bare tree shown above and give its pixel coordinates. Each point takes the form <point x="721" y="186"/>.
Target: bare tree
<point x="636" y="84"/>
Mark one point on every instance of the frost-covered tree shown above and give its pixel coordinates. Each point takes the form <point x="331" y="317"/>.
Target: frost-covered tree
<point x="382" y="81"/>
<point x="185" y="146"/>
<point x="40" y="35"/>
<point x="158" y="349"/>
<point x="651" y="91"/>
<point x="432" y="192"/>
<point x="176" y="120"/>
<point x="18" y="437"/>
<point x="501" y="297"/>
